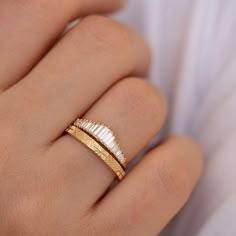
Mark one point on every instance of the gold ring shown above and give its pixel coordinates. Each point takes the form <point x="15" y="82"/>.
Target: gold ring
<point x="98" y="149"/>
<point x="104" y="135"/>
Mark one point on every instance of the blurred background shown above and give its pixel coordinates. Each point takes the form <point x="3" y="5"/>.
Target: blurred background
<point x="194" y="63"/>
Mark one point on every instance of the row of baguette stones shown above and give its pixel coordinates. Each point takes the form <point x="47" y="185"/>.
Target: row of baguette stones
<point x="104" y="135"/>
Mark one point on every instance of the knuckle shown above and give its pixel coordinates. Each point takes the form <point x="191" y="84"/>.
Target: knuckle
<point x="141" y="97"/>
<point x="106" y="33"/>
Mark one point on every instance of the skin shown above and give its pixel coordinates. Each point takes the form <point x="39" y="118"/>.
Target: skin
<point x="50" y="183"/>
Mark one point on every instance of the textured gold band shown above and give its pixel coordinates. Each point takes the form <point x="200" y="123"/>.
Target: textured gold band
<point x="105" y="156"/>
<point x="105" y="136"/>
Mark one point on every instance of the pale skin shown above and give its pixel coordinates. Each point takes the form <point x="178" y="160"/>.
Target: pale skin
<point x="50" y="183"/>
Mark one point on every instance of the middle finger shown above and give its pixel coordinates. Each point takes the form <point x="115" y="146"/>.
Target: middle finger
<point x="84" y="64"/>
<point x="135" y="110"/>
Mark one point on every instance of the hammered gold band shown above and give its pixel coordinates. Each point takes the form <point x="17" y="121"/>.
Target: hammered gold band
<point x="93" y="145"/>
<point x="105" y="136"/>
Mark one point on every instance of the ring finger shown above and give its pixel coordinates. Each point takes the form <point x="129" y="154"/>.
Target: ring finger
<point x="135" y="110"/>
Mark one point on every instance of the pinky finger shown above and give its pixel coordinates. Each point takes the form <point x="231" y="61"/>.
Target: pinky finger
<point x="151" y="195"/>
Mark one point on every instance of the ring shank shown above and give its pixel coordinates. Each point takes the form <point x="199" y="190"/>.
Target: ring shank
<point x="93" y="145"/>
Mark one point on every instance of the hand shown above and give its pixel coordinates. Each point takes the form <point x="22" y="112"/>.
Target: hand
<point x="50" y="183"/>
<point x="30" y="27"/>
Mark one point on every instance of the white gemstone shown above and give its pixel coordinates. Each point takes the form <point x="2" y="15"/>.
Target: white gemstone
<point x="100" y="129"/>
<point x="81" y="126"/>
<point x="114" y="150"/>
<point x="109" y="141"/>
<point x="86" y="126"/>
<point x="93" y="127"/>
<point x="77" y="123"/>
<point x="97" y="130"/>
<point x="104" y="131"/>
<point x="118" y="152"/>
<point x="103" y="135"/>
<point x="100" y="133"/>
<point x="112" y="145"/>
<point x="103" y="128"/>
<point x="89" y="126"/>
<point x="108" y="134"/>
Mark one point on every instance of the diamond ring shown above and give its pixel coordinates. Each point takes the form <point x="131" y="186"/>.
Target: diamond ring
<point x="104" y="135"/>
<point x="101" y="140"/>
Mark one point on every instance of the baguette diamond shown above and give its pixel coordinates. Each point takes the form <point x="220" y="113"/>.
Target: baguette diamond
<point x="104" y="135"/>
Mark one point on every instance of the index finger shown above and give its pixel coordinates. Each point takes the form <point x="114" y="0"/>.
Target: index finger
<point x="29" y="28"/>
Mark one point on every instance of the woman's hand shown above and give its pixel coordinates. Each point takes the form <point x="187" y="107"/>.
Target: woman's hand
<point x="28" y="28"/>
<point x="50" y="183"/>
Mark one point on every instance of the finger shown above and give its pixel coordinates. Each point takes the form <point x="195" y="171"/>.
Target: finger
<point x="90" y="58"/>
<point x="150" y="196"/>
<point x="29" y="28"/>
<point x="135" y="110"/>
